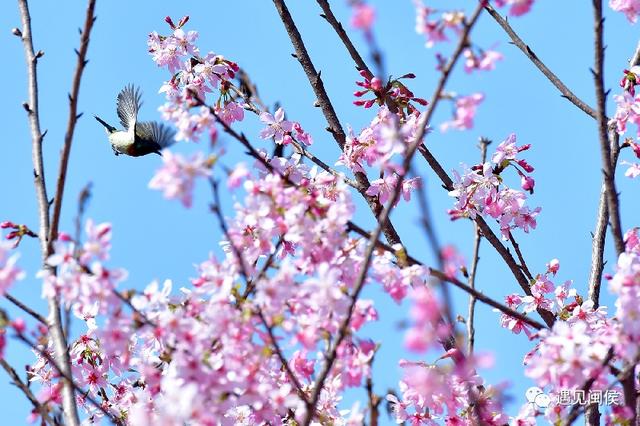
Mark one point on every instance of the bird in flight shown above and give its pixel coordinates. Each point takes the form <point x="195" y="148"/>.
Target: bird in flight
<point x="137" y="138"/>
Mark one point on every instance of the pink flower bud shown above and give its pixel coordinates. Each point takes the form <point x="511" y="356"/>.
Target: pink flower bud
<point x="63" y="236"/>
<point x="168" y="20"/>
<point x="553" y="266"/>
<point x="376" y="83"/>
<point x="527" y="183"/>
<point x="6" y="224"/>
<point x="526" y="166"/>
<point x="19" y="325"/>
<point x="183" y="21"/>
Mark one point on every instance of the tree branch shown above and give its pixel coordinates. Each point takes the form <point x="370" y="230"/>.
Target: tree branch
<point x="54" y="320"/>
<point x="15" y="379"/>
<point x="520" y="44"/>
<point x="73" y="118"/>
<point x="471" y="331"/>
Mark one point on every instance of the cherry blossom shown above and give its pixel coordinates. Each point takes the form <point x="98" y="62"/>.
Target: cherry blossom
<point x="9" y="271"/>
<point x="177" y="176"/>
<point x="465" y="112"/>
<point x="630" y="8"/>
<point x="516" y="7"/>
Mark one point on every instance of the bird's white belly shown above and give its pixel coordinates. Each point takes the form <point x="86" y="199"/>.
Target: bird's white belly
<point x="121" y="141"/>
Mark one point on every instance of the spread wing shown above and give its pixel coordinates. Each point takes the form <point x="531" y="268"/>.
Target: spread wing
<point x="152" y="131"/>
<point x="129" y="103"/>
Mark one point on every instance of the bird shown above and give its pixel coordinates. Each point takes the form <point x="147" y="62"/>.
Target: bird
<point x="137" y="138"/>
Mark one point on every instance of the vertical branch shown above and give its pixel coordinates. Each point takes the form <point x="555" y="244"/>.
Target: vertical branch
<point x="37" y="136"/>
<point x="73" y="117"/>
<point x="599" y="234"/>
<point x="54" y="319"/>
<point x="608" y="168"/>
<point x="593" y="414"/>
<point x="471" y="331"/>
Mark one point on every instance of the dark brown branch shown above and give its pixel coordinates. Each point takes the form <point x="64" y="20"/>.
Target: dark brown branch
<point x="599" y="234"/>
<point x="335" y="128"/>
<point x="81" y="62"/>
<point x="520" y="44"/>
<point x="15" y="379"/>
<point x="26" y="309"/>
<point x="339" y="29"/>
<point x="601" y="116"/>
<point x="523" y="264"/>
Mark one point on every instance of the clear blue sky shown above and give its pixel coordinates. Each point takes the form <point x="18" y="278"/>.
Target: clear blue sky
<point x="158" y="239"/>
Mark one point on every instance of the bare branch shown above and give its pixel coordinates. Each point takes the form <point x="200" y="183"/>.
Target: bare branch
<point x="601" y="115"/>
<point x="81" y="62"/>
<point x="520" y="44"/>
<point x="26" y="309"/>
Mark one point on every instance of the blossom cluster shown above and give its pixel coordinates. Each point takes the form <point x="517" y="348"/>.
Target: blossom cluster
<point x="433" y="394"/>
<point x="193" y="77"/>
<point x="442" y="391"/>
<point x="628" y="112"/>
<point x="379" y="145"/>
<point x="584" y="342"/>
<point x="481" y="190"/>
<point x="176" y="178"/>
<point x="210" y="353"/>
<point x="630" y="8"/>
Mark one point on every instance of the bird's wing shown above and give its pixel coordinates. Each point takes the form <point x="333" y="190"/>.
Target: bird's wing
<point x="129" y="103"/>
<point x="153" y="131"/>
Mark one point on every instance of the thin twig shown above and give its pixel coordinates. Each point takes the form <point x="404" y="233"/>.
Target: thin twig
<point x="281" y="357"/>
<point x="471" y="331"/>
<point x="523" y="264"/>
<point x="605" y="149"/>
<point x="56" y="332"/>
<point x="15" y="379"/>
<point x="81" y="63"/>
<point x="520" y="44"/>
<point x="26" y="309"/>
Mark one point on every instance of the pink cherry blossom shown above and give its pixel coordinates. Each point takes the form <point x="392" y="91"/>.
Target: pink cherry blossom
<point x="466" y="108"/>
<point x="630" y="8"/>
<point x="517" y="7"/>
<point x="177" y="176"/>
<point x="363" y="16"/>
<point x="9" y="271"/>
<point x="277" y="126"/>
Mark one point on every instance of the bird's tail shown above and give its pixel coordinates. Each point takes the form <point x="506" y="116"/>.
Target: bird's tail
<point x="109" y="128"/>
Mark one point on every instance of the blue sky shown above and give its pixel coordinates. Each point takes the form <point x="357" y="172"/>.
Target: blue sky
<point x="159" y="239"/>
